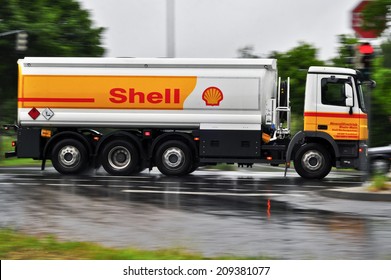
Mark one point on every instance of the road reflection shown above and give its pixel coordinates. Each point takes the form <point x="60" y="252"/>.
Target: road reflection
<point x="212" y="214"/>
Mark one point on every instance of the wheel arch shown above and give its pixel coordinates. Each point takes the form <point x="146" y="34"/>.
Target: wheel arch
<point x="321" y="138"/>
<point x="129" y="136"/>
<point x="66" y="135"/>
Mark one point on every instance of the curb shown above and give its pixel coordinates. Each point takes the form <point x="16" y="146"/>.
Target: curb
<point x="357" y="193"/>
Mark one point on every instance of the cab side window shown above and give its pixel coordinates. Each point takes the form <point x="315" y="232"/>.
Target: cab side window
<point x="333" y="92"/>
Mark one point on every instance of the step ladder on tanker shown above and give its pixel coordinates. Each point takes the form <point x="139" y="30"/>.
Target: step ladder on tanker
<point x="281" y="112"/>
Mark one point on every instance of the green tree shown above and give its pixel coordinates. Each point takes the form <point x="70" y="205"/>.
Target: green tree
<point x="346" y="51"/>
<point x="294" y="64"/>
<point x="55" y="28"/>
<point x="386" y="51"/>
<point x="247" y="52"/>
<point x="380" y="111"/>
<point x="376" y="14"/>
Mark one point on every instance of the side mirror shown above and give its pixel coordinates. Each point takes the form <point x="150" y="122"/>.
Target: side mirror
<point x="349" y="95"/>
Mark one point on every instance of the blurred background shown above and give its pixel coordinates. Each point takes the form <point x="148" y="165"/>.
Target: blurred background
<point x="298" y="33"/>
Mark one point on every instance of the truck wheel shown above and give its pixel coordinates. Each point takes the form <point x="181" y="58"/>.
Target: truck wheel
<point x="193" y="168"/>
<point x="312" y="161"/>
<point x="69" y="156"/>
<point x="174" y="158"/>
<point x="120" y="157"/>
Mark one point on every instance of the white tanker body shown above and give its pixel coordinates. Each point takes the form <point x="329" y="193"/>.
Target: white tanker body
<point x="145" y="93"/>
<point x="179" y="114"/>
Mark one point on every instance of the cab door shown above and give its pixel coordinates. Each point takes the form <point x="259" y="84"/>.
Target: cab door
<point x="338" y="113"/>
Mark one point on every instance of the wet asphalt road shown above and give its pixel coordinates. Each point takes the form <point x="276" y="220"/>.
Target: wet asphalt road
<point x="245" y="213"/>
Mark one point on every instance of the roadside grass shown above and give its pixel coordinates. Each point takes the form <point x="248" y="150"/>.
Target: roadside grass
<point x="18" y="246"/>
<point x="223" y="167"/>
<point x="379" y="182"/>
<point x="19" y="162"/>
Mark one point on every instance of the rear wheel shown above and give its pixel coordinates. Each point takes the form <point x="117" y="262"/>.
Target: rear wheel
<point x="120" y="157"/>
<point x="69" y="156"/>
<point x="174" y="158"/>
<point x="312" y="161"/>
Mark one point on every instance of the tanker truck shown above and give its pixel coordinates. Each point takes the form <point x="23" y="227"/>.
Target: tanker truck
<point x="130" y="114"/>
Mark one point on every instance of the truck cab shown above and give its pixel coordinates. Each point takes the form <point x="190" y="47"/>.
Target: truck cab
<point x="335" y="123"/>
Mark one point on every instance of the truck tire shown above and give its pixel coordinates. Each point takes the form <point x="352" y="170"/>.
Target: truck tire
<point x="69" y="156"/>
<point x="312" y="161"/>
<point x="120" y="157"/>
<point x="174" y="158"/>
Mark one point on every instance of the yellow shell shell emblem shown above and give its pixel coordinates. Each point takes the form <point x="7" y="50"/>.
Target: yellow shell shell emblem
<point x="212" y="96"/>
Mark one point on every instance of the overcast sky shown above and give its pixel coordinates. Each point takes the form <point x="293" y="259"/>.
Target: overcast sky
<point x="218" y="28"/>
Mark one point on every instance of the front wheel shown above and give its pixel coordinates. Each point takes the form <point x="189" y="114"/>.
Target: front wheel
<point x="312" y="161"/>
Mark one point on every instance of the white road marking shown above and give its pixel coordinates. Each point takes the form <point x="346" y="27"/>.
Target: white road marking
<point x="196" y="183"/>
<point x="117" y="186"/>
<point x="61" y="185"/>
<point x="203" y="193"/>
<point x="149" y="187"/>
<point x="7" y="184"/>
<point x="211" y="189"/>
<point x="121" y="177"/>
<point x="27" y="184"/>
<point x="87" y="185"/>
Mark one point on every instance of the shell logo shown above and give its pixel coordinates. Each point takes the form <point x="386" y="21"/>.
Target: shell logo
<point x="212" y="96"/>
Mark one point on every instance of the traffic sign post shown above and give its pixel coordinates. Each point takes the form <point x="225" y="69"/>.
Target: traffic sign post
<point x="358" y="22"/>
<point x="21" y="39"/>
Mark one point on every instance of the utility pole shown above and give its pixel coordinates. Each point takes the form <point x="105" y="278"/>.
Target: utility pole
<point x="170" y="28"/>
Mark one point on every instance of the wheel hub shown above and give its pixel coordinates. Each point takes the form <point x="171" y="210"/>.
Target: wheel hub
<point x="173" y="157"/>
<point x="119" y="157"/>
<point x="69" y="156"/>
<point x="312" y="160"/>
